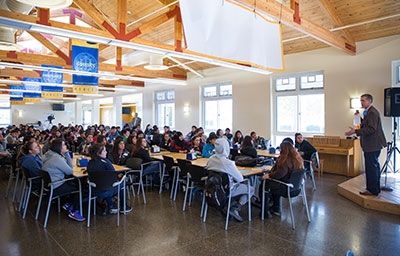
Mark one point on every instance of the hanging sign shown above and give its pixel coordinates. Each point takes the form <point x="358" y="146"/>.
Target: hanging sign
<point x="85" y="57"/>
<point x="52" y="91"/>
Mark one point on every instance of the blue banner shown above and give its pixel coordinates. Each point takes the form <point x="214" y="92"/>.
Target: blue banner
<point x="16" y="95"/>
<point x="85" y="57"/>
<point x="34" y="93"/>
<point x="53" y="91"/>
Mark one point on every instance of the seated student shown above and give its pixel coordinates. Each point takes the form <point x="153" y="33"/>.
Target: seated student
<point x="304" y="148"/>
<point x="166" y="142"/>
<point x="178" y="144"/>
<point x="288" y="161"/>
<point x="130" y="142"/>
<point x="220" y="163"/>
<point x="238" y="138"/>
<point x="58" y="164"/>
<point x="157" y="136"/>
<point x="140" y="151"/>
<point x="219" y="133"/>
<point x="32" y="162"/>
<point x="209" y="149"/>
<point x="195" y="146"/>
<point x="83" y="148"/>
<point x="191" y="133"/>
<point x="247" y="148"/>
<point x="228" y="134"/>
<point x="99" y="162"/>
<point x="119" y="154"/>
<point x="258" y="141"/>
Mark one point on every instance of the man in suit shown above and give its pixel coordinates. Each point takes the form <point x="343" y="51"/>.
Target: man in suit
<point x="136" y="121"/>
<point x="372" y="141"/>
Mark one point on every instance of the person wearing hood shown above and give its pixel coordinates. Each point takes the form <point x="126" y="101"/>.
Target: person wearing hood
<point x="58" y="163"/>
<point x="219" y="162"/>
<point x="178" y="144"/>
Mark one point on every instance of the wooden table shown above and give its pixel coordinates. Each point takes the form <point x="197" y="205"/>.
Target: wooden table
<point x="264" y="152"/>
<point x="81" y="171"/>
<point x="201" y="161"/>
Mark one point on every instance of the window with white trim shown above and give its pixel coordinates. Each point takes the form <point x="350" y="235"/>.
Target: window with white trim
<point x="299" y="104"/>
<point x="165" y="108"/>
<point x="217" y="106"/>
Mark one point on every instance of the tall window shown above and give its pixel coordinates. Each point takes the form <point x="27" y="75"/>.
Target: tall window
<point x="165" y="108"/>
<point x="299" y="104"/>
<point x="217" y="106"/>
<point x="5" y="113"/>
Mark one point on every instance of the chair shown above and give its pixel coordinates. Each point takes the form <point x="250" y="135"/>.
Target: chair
<point x="137" y="166"/>
<point x="313" y="162"/>
<point x="48" y="190"/>
<point x="100" y="181"/>
<point x="195" y="179"/>
<point x="228" y="186"/>
<point x="14" y="175"/>
<point x="27" y="190"/>
<point x="294" y="187"/>
<point x="170" y="166"/>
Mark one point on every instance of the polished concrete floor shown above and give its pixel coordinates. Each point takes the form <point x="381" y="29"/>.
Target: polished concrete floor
<point x="161" y="228"/>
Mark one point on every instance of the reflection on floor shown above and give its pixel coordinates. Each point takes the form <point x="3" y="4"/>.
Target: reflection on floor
<point x="161" y="228"/>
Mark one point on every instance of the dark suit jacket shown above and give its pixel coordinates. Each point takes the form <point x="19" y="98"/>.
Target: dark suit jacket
<point x="371" y="131"/>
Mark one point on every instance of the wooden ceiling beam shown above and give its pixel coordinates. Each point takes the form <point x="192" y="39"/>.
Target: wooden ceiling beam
<point x="38" y="59"/>
<point x="46" y="43"/>
<point x="14" y="72"/>
<point x="92" y="12"/>
<point x="285" y="15"/>
<point x="328" y="8"/>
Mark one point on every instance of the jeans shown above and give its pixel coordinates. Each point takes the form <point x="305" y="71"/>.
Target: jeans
<point x="153" y="168"/>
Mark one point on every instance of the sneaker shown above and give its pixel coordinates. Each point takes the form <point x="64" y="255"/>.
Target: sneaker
<point x="127" y="209"/>
<point x="76" y="216"/>
<point x="113" y="210"/>
<point x="275" y="212"/>
<point x="68" y="207"/>
<point x="235" y="214"/>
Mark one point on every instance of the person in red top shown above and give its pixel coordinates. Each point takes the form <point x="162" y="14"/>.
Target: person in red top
<point x="178" y="143"/>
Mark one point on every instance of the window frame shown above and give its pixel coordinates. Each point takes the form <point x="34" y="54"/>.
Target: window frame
<point x="219" y="96"/>
<point x="298" y="92"/>
<point x="166" y="100"/>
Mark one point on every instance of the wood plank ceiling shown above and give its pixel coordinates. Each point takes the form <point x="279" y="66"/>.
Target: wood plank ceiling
<point x="323" y="23"/>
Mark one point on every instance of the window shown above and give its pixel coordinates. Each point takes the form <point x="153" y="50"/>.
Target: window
<point x="5" y="113"/>
<point x="165" y="108"/>
<point x="299" y="104"/>
<point x="217" y="106"/>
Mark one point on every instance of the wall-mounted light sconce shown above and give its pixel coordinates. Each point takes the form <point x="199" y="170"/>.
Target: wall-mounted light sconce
<point x="186" y="109"/>
<point x="355" y="103"/>
<point x="19" y="113"/>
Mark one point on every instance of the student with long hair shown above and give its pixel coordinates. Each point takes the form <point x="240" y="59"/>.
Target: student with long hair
<point x="289" y="160"/>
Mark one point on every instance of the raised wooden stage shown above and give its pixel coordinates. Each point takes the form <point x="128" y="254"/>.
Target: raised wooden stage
<point x="385" y="202"/>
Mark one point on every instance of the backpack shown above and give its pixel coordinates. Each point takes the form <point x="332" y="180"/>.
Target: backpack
<point x="215" y="193"/>
<point x="245" y="161"/>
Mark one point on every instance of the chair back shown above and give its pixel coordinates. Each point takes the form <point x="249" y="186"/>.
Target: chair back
<point x="315" y="159"/>
<point x="134" y="163"/>
<point x="169" y="162"/>
<point x="25" y="172"/>
<point x="104" y="180"/>
<point x="184" y="165"/>
<point x="296" y="179"/>
<point x="45" y="179"/>
<point x="197" y="173"/>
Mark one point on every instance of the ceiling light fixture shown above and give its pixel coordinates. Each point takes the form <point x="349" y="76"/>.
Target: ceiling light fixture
<point x="156" y="63"/>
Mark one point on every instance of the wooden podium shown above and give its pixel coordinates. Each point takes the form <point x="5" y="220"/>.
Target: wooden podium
<point x="341" y="156"/>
